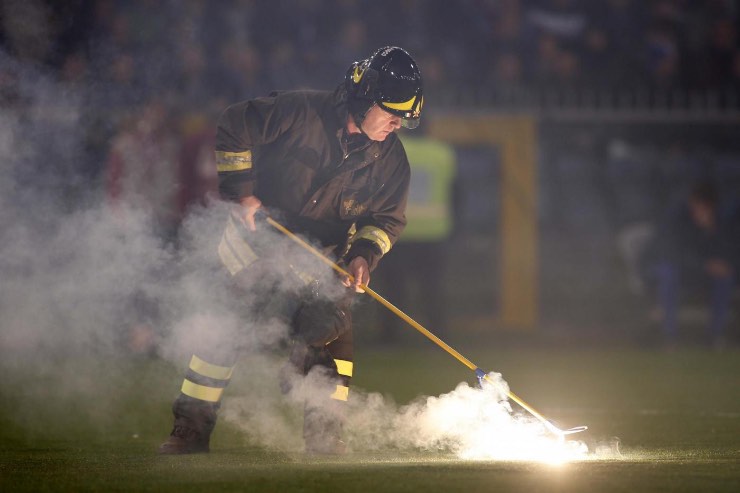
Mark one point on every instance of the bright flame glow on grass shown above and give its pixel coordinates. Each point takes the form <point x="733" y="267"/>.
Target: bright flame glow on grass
<point x="481" y="422"/>
<point x="473" y="423"/>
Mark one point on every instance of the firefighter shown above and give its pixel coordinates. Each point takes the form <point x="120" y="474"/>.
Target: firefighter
<point x="332" y="165"/>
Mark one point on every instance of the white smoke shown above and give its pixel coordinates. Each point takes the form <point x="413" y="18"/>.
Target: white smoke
<point x="84" y="287"/>
<point x="472" y="423"/>
<point x="76" y="278"/>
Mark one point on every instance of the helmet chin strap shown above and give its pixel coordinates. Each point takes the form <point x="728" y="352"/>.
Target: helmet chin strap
<point x="362" y="120"/>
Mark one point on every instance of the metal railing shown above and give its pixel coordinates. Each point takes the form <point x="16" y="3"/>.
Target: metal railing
<point x="639" y="103"/>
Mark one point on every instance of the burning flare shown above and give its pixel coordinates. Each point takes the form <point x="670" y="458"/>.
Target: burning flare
<point x="473" y="423"/>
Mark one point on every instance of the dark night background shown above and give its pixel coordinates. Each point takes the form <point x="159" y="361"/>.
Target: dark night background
<point x="634" y="103"/>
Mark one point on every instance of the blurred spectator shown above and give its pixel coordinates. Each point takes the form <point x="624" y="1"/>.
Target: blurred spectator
<point x="111" y="35"/>
<point x="720" y="54"/>
<point x="66" y="111"/>
<point x="662" y="57"/>
<point x="623" y="23"/>
<point x="239" y="73"/>
<point x="435" y="73"/>
<point x="28" y="29"/>
<point x="555" y="27"/>
<point x="507" y="70"/>
<point x="633" y="205"/>
<point x="197" y="178"/>
<point x="554" y="65"/>
<point x="694" y="251"/>
<point x="284" y="66"/>
<point x="245" y="46"/>
<point x="11" y="96"/>
<point x="680" y="167"/>
<point x="143" y="166"/>
<point x="193" y="84"/>
<point x="735" y="69"/>
<point x="112" y="94"/>
<point x="563" y="19"/>
<point x="507" y="24"/>
<point x="596" y="53"/>
<point x="352" y="40"/>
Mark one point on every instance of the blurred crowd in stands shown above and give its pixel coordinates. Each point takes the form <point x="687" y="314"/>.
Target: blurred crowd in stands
<point x="103" y="93"/>
<point x="240" y="47"/>
<point x="112" y="57"/>
<point x="643" y="216"/>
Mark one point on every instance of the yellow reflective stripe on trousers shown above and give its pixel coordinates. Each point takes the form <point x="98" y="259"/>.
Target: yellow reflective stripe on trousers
<point x="211" y="371"/>
<point x="344" y="367"/>
<point x="233" y="161"/>
<point x="341" y="393"/>
<point x="210" y="394"/>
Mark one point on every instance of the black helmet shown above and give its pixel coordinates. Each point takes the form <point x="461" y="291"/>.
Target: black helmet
<point x="391" y="79"/>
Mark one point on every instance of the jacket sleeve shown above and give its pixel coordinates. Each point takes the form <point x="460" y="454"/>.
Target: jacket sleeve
<point x="241" y="127"/>
<point x="377" y="232"/>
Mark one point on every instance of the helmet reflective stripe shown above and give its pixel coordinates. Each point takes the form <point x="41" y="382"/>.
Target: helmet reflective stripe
<point x="417" y="111"/>
<point x="404" y="106"/>
<point x="357" y="74"/>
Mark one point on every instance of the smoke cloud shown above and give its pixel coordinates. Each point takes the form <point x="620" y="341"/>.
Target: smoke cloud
<point x="85" y="287"/>
<point x="474" y="423"/>
<point x="78" y="277"/>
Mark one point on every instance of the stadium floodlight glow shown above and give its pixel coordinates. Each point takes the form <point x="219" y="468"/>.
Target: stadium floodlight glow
<point x="479" y="373"/>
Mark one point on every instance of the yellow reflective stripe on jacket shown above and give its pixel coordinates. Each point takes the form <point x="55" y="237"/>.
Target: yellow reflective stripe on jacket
<point x="376" y="235"/>
<point x="341" y="393"/>
<point x="344" y="367"/>
<point x="233" y="161"/>
<point x="209" y="370"/>
<point x="210" y="394"/>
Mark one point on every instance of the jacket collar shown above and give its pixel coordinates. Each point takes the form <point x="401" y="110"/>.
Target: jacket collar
<point x="342" y="112"/>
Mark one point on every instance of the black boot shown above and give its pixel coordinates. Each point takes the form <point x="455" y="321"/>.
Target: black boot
<point x="194" y="422"/>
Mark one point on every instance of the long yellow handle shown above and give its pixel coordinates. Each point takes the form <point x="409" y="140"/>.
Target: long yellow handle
<point x="439" y="342"/>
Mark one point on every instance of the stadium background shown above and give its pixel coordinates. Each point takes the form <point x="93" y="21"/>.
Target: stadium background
<point x="574" y="123"/>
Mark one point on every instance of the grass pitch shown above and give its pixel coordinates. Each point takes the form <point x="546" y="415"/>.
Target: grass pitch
<point x="677" y="416"/>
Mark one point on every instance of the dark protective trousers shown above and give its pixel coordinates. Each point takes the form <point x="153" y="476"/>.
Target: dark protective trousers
<point x="320" y="329"/>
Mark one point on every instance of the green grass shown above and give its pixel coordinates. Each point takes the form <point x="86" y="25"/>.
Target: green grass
<point x="93" y="425"/>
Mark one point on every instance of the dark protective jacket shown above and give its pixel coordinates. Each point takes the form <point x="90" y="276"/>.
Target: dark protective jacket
<point x="291" y="150"/>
